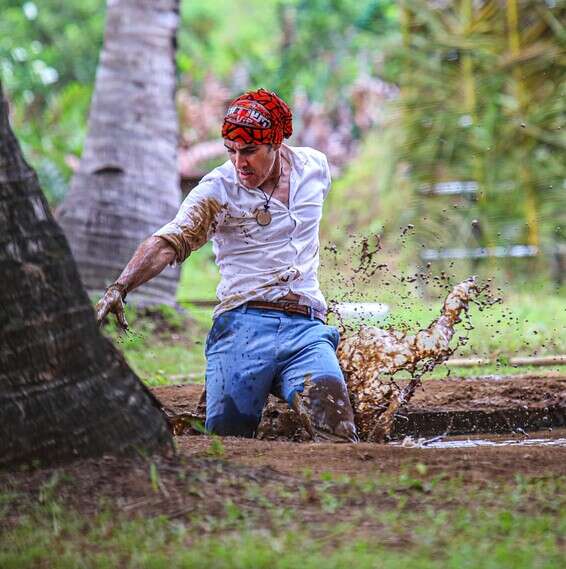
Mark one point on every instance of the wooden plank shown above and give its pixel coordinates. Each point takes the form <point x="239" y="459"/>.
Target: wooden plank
<point x="518" y="361"/>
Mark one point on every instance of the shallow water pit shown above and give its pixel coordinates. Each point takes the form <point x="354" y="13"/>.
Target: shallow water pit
<point x="556" y="438"/>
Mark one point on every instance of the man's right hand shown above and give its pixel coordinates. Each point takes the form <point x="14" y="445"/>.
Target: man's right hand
<point x="112" y="302"/>
<point x="150" y="258"/>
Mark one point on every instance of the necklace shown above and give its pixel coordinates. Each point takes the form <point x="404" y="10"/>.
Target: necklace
<point x="263" y="216"/>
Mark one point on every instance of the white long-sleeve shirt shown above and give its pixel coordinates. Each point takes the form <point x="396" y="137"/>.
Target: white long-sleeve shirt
<point x="257" y="262"/>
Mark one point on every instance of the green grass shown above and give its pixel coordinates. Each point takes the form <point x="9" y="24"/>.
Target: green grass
<point x="156" y="544"/>
<point x="199" y="277"/>
<point x="409" y="520"/>
<point x="165" y="365"/>
<point x="522" y="325"/>
<point x="164" y="347"/>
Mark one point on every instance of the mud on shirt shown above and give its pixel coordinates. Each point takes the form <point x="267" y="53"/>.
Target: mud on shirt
<point x="257" y="262"/>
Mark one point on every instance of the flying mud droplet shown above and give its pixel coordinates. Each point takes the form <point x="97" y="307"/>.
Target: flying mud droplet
<point x="367" y="265"/>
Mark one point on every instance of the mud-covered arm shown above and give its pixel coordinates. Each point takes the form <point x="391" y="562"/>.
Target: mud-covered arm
<point x="149" y="259"/>
<point x="195" y="222"/>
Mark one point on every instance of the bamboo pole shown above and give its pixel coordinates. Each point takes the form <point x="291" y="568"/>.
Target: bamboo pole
<point x="405" y="19"/>
<point x="519" y="361"/>
<point x="531" y="206"/>
<point x="467" y="62"/>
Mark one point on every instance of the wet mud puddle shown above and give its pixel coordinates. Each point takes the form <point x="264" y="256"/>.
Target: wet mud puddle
<point x="554" y="438"/>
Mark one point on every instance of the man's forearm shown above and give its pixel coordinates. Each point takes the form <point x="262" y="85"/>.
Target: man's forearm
<point x="150" y="258"/>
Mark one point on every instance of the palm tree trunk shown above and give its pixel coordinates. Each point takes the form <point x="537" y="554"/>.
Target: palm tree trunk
<point x="127" y="184"/>
<point x="65" y="392"/>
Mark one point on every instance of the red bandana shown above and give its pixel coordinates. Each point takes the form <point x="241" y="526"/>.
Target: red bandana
<point x="258" y="117"/>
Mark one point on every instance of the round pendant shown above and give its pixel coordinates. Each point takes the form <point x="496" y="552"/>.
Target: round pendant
<point x="263" y="217"/>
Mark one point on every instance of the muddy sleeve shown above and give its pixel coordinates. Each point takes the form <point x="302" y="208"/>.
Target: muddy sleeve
<point x="196" y="221"/>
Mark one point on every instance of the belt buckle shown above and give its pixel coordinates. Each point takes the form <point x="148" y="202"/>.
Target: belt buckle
<point x="288" y="307"/>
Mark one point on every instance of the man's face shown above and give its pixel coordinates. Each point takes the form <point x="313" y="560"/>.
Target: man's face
<point x="253" y="162"/>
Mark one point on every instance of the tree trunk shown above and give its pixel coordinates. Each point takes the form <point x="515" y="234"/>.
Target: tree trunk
<point x="65" y="392"/>
<point x="127" y="185"/>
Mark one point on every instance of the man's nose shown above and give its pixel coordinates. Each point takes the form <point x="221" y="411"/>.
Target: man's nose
<point x="241" y="161"/>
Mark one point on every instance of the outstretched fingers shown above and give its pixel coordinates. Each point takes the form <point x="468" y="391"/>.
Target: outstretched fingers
<point x="121" y="316"/>
<point x="102" y="309"/>
<point x="111" y="302"/>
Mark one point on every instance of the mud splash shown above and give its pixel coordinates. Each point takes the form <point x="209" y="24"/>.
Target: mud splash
<point x="371" y="357"/>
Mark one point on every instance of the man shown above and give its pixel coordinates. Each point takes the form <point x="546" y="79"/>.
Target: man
<point x="261" y="209"/>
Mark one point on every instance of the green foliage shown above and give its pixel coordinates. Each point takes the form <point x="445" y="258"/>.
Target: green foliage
<point x="49" y="45"/>
<point x="368" y="198"/>
<point x="218" y="35"/>
<point x="319" y="57"/>
<point x="49" y="52"/>
<point x="467" y="100"/>
<point x="476" y="107"/>
<point x="283" y="45"/>
<point x="48" y="56"/>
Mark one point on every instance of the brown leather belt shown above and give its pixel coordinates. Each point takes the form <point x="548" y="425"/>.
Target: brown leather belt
<point x="288" y="308"/>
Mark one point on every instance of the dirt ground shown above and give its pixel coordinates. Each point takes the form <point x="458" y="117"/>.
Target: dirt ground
<point x="368" y="459"/>
<point x="365" y="459"/>
<point x="208" y="472"/>
<point x="479" y="393"/>
<point x="288" y="474"/>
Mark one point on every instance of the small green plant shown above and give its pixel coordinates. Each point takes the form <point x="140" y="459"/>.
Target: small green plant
<point x="216" y="448"/>
<point x="48" y="489"/>
<point x="233" y="512"/>
<point x="154" y="477"/>
<point x="329" y="502"/>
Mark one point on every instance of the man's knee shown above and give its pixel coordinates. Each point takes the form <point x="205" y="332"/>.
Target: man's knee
<point x="232" y="423"/>
<point x="330" y="408"/>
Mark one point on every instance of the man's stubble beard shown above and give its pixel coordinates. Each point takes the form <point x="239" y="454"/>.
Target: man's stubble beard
<point x="270" y="172"/>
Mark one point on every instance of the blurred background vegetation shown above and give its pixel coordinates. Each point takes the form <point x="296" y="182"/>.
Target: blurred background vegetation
<point x="49" y="52"/>
<point x="443" y="122"/>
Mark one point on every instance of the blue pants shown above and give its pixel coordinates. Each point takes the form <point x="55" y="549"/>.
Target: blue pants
<point x="252" y="352"/>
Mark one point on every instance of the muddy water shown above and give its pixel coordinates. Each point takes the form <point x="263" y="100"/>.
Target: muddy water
<point x="554" y="438"/>
<point x="372" y="356"/>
